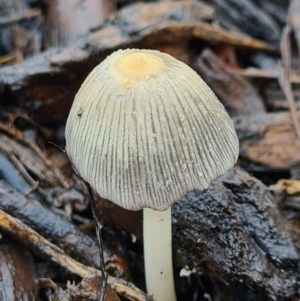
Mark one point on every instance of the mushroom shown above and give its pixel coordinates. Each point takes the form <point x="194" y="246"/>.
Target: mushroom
<point x="143" y="131"/>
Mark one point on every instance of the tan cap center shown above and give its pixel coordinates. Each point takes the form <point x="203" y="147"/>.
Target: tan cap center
<point x="140" y="65"/>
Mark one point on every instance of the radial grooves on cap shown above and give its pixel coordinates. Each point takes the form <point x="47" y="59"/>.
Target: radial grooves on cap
<point x="192" y="122"/>
<point x="206" y="136"/>
<point x="202" y="148"/>
<point x="147" y="142"/>
<point x="228" y="147"/>
<point x="180" y="147"/>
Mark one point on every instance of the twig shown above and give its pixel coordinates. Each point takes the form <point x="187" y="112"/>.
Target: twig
<point x="22" y="170"/>
<point x="295" y="16"/>
<point x="41" y="246"/>
<point x="17" y="145"/>
<point x="267" y="74"/>
<point x="99" y="238"/>
<point x="11" y="131"/>
<point x="29" y="14"/>
<point x="285" y="74"/>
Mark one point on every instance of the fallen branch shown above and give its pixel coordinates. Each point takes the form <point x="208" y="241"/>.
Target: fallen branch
<point x="41" y="246"/>
<point x="267" y="74"/>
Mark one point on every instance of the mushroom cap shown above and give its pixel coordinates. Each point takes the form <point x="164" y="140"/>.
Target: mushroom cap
<point x="145" y="129"/>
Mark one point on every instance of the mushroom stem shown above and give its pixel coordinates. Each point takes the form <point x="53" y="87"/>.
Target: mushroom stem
<point x="158" y="254"/>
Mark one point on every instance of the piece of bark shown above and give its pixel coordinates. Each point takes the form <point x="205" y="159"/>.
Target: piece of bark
<point x="46" y="84"/>
<point x="228" y="55"/>
<point x="268" y="142"/>
<point x="169" y="32"/>
<point x="45" y="249"/>
<point x="86" y="290"/>
<point x="62" y="232"/>
<point x="89" y="290"/>
<point x="246" y="16"/>
<point x="115" y="217"/>
<point x="135" y="18"/>
<point x="237" y="95"/>
<point x="33" y="159"/>
<point x="18" y="27"/>
<point x="17" y="273"/>
<point x="67" y="21"/>
<point x="256" y="73"/>
<point x="274" y="97"/>
<point x="140" y="19"/>
<point x="181" y="23"/>
<point x="232" y="237"/>
<point x="14" y="177"/>
<point x="277" y="9"/>
<point x="50" y="225"/>
<point x="18" y="14"/>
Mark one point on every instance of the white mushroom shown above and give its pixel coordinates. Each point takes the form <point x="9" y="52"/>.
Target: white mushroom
<point x="143" y="131"/>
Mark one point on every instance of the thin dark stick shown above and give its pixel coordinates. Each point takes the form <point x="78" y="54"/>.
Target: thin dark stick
<point x="99" y="238"/>
<point x="284" y="77"/>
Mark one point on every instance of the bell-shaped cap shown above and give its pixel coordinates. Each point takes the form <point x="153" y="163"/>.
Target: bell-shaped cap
<point x="145" y="129"/>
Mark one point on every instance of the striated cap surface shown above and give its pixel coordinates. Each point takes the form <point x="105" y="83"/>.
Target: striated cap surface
<point x="145" y="129"/>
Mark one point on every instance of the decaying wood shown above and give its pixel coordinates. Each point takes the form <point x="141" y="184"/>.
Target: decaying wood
<point x="18" y="273"/>
<point x="233" y="240"/>
<point x="47" y="84"/>
<point x="139" y="16"/>
<point x="275" y="98"/>
<point x="236" y="93"/>
<point x="42" y="247"/>
<point x="268" y="142"/>
<point x="115" y="217"/>
<point x="67" y="20"/>
<point x="33" y="159"/>
<point x="17" y="159"/>
<point x="19" y="16"/>
<point x="230" y="241"/>
<point x="206" y="32"/>
<point x="12" y="171"/>
<point x="50" y="225"/>
<point x="264" y="74"/>
<point x="20" y="39"/>
<point x="247" y="16"/>
<point x="88" y="289"/>
<point x="182" y="21"/>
